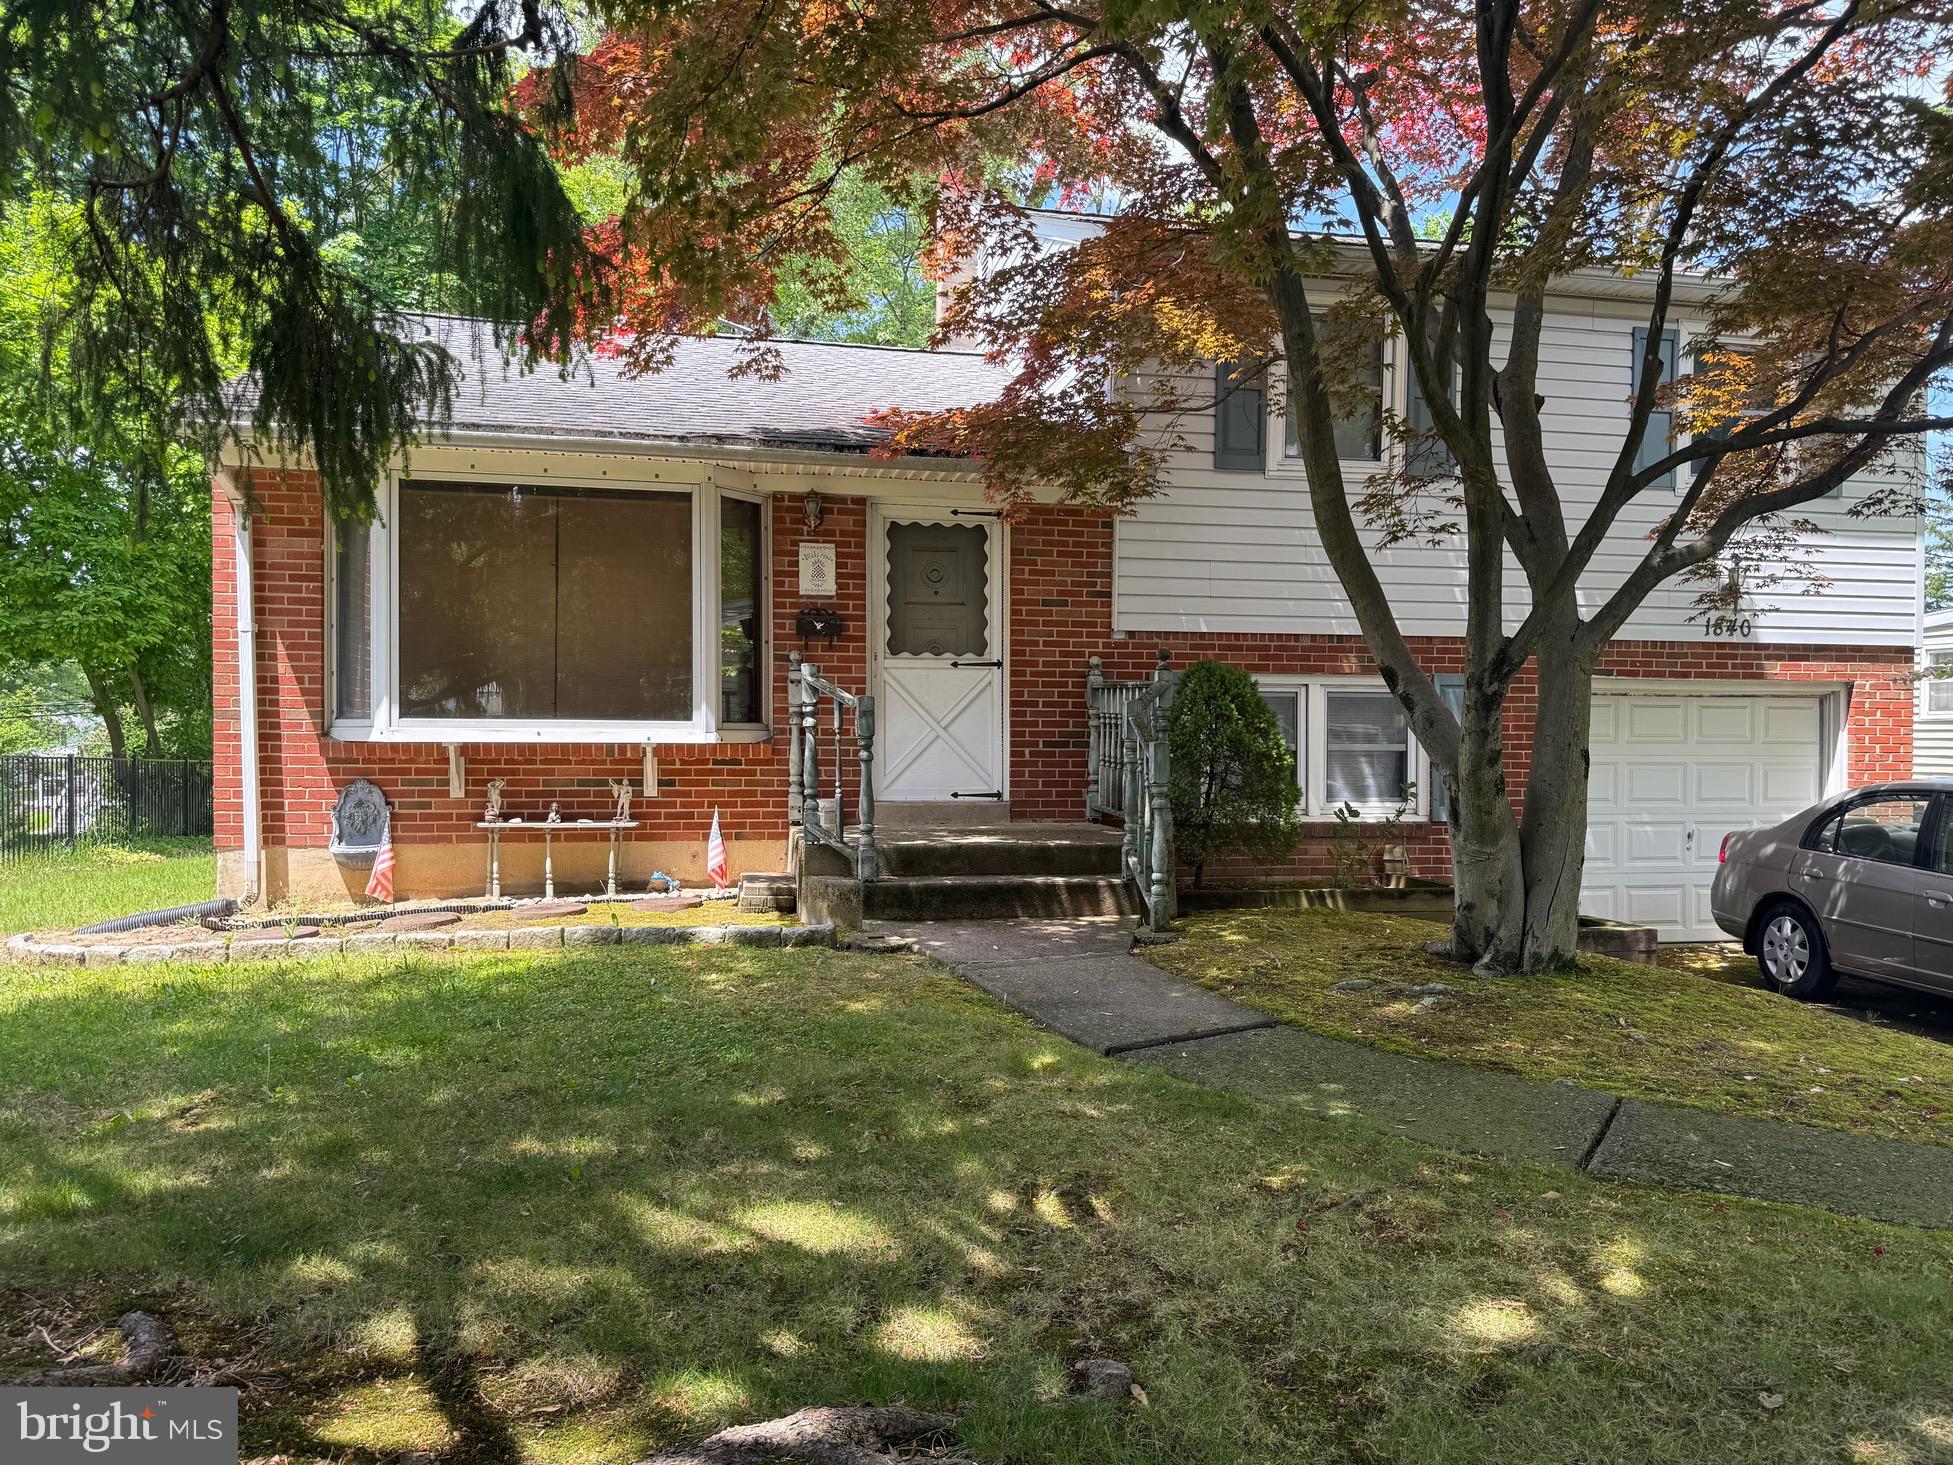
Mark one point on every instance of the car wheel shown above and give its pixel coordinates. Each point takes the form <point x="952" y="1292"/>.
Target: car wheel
<point x="1790" y="949"/>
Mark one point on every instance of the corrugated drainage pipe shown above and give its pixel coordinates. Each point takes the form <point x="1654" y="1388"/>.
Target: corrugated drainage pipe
<point x="224" y="906"/>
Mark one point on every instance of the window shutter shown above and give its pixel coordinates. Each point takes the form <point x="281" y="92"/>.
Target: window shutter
<point x="1426" y="456"/>
<point x="1451" y="687"/>
<point x="1240" y="420"/>
<point x="1659" y="438"/>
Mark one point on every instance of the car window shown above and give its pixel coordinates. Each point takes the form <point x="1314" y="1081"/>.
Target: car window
<point x="1942" y="852"/>
<point x="1884" y="829"/>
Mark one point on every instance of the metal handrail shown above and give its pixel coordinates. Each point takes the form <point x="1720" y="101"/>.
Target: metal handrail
<point x="1105" y="754"/>
<point x="1127" y="768"/>
<point x="805" y="688"/>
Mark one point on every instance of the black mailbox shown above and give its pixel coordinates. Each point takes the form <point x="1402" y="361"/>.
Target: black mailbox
<point x="820" y="621"/>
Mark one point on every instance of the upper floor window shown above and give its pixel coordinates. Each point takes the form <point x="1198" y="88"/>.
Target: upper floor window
<point x="1658" y="439"/>
<point x="1240" y="417"/>
<point x="1359" y="416"/>
<point x="1426" y="454"/>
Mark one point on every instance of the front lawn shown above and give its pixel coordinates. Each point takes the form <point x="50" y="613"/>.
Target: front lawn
<point x="97" y="882"/>
<point x="1649" y="1032"/>
<point x="575" y="1206"/>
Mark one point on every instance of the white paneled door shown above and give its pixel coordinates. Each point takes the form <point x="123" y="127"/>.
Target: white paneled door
<point x="1671" y="776"/>
<point x="939" y="653"/>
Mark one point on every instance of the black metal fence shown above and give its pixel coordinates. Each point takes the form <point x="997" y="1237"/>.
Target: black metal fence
<point x="64" y="801"/>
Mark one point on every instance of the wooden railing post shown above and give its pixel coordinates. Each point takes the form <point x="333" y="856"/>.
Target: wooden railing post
<point x="1094" y="694"/>
<point x="810" y="764"/>
<point x="1160" y="907"/>
<point x="793" y="737"/>
<point x="868" y="855"/>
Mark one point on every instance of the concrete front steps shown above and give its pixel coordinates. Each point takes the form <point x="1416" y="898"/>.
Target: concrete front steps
<point x="983" y="872"/>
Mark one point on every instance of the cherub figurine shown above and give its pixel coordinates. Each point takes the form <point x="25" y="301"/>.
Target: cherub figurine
<point x="555" y="814"/>
<point x="620" y="790"/>
<point x="493" y="813"/>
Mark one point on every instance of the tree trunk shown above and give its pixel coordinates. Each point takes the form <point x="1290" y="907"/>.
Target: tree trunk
<point x="1487" y="923"/>
<point x="1553" y="829"/>
<point x="109" y="710"/>
<point x="152" y="744"/>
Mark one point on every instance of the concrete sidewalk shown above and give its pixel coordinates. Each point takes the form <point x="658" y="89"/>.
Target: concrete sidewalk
<point x="1080" y="979"/>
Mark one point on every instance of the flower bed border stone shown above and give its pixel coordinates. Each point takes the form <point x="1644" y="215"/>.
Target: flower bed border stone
<point x="56" y="952"/>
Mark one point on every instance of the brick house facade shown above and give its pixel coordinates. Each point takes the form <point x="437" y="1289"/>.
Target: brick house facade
<point x="1060" y="576"/>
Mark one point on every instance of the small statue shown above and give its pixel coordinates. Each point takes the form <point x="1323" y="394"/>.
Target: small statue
<point x="555" y="814"/>
<point x="620" y="790"/>
<point x="493" y="813"/>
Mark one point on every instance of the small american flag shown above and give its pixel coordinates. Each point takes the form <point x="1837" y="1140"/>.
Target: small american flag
<point x="380" y="884"/>
<point x="715" y="854"/>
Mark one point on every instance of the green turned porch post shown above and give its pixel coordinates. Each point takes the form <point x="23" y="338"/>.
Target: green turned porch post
<point x="868" y="856"/>
<point x="793" y="738"/>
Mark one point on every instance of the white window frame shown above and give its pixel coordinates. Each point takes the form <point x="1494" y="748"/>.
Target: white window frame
<point x="1937" y="656"/>
<point x="385" y="723"/>
<point x="350" y="729"/>
<point x="1312" y="752"/>
<point x="762" y="604"/>
<point x="1390" y="403"/>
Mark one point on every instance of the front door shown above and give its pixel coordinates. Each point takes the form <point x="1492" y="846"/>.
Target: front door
<point x="940" y="655"/>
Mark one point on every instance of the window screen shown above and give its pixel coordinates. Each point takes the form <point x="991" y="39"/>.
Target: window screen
<point x="352" y="623"/>
<point x="1287" y="707"/>
<point x="521" y="602"/>
<point x="739" y="610"/>
<point x="1366" y="748"/>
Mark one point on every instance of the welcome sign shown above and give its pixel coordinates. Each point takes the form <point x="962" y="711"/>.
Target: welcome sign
<point x="118" y="1426"/>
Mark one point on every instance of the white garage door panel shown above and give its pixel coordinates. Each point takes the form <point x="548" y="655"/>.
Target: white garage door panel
<point x="1673" y="775"/>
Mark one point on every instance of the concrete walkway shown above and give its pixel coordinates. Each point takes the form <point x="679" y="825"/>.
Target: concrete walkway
<point x="1080" y="979"/>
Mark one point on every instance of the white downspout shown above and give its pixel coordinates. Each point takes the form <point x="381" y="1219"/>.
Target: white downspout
<point x="247" y="690"/>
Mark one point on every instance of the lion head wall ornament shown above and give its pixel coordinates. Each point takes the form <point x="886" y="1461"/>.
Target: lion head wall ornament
<point x="359" y="823"/>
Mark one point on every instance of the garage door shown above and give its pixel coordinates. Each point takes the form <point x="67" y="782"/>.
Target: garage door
<point x="1671" y="776"/>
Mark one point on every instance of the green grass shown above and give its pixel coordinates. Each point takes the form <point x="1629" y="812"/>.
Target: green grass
<point x="68" y="888"/>
<point x="577" y="1206"/>
<point x="1661" y="1032"/>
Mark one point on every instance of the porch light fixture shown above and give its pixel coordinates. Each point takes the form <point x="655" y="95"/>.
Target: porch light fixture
<point x="812" y="510"/>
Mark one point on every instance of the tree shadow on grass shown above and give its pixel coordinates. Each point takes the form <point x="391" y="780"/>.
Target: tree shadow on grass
<point x="623" y="1201"/>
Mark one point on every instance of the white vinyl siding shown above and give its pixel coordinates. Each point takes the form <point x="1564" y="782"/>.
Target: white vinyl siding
<point x="1235" y="552"/>
<point x="1932" y="722"/>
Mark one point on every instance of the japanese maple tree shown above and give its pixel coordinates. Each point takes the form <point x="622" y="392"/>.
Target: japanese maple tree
<point x="1294" y="183"/>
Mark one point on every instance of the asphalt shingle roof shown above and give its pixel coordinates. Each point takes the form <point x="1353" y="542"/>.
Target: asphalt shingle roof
<point x="821" y="402"/>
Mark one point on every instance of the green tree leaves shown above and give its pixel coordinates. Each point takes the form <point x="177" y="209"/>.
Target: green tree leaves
<point x="1232" y="779"/>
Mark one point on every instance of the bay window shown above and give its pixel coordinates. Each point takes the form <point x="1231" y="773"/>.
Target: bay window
<point x="499" y="610"/>
<point x="543" y="603"/>
<point x="1351" y="743"/>
<point x="740" y="578"/>
<point x="352" y="618"/>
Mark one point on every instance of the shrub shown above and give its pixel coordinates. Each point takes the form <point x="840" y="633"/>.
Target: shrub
<point x="1233" y="778"/>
